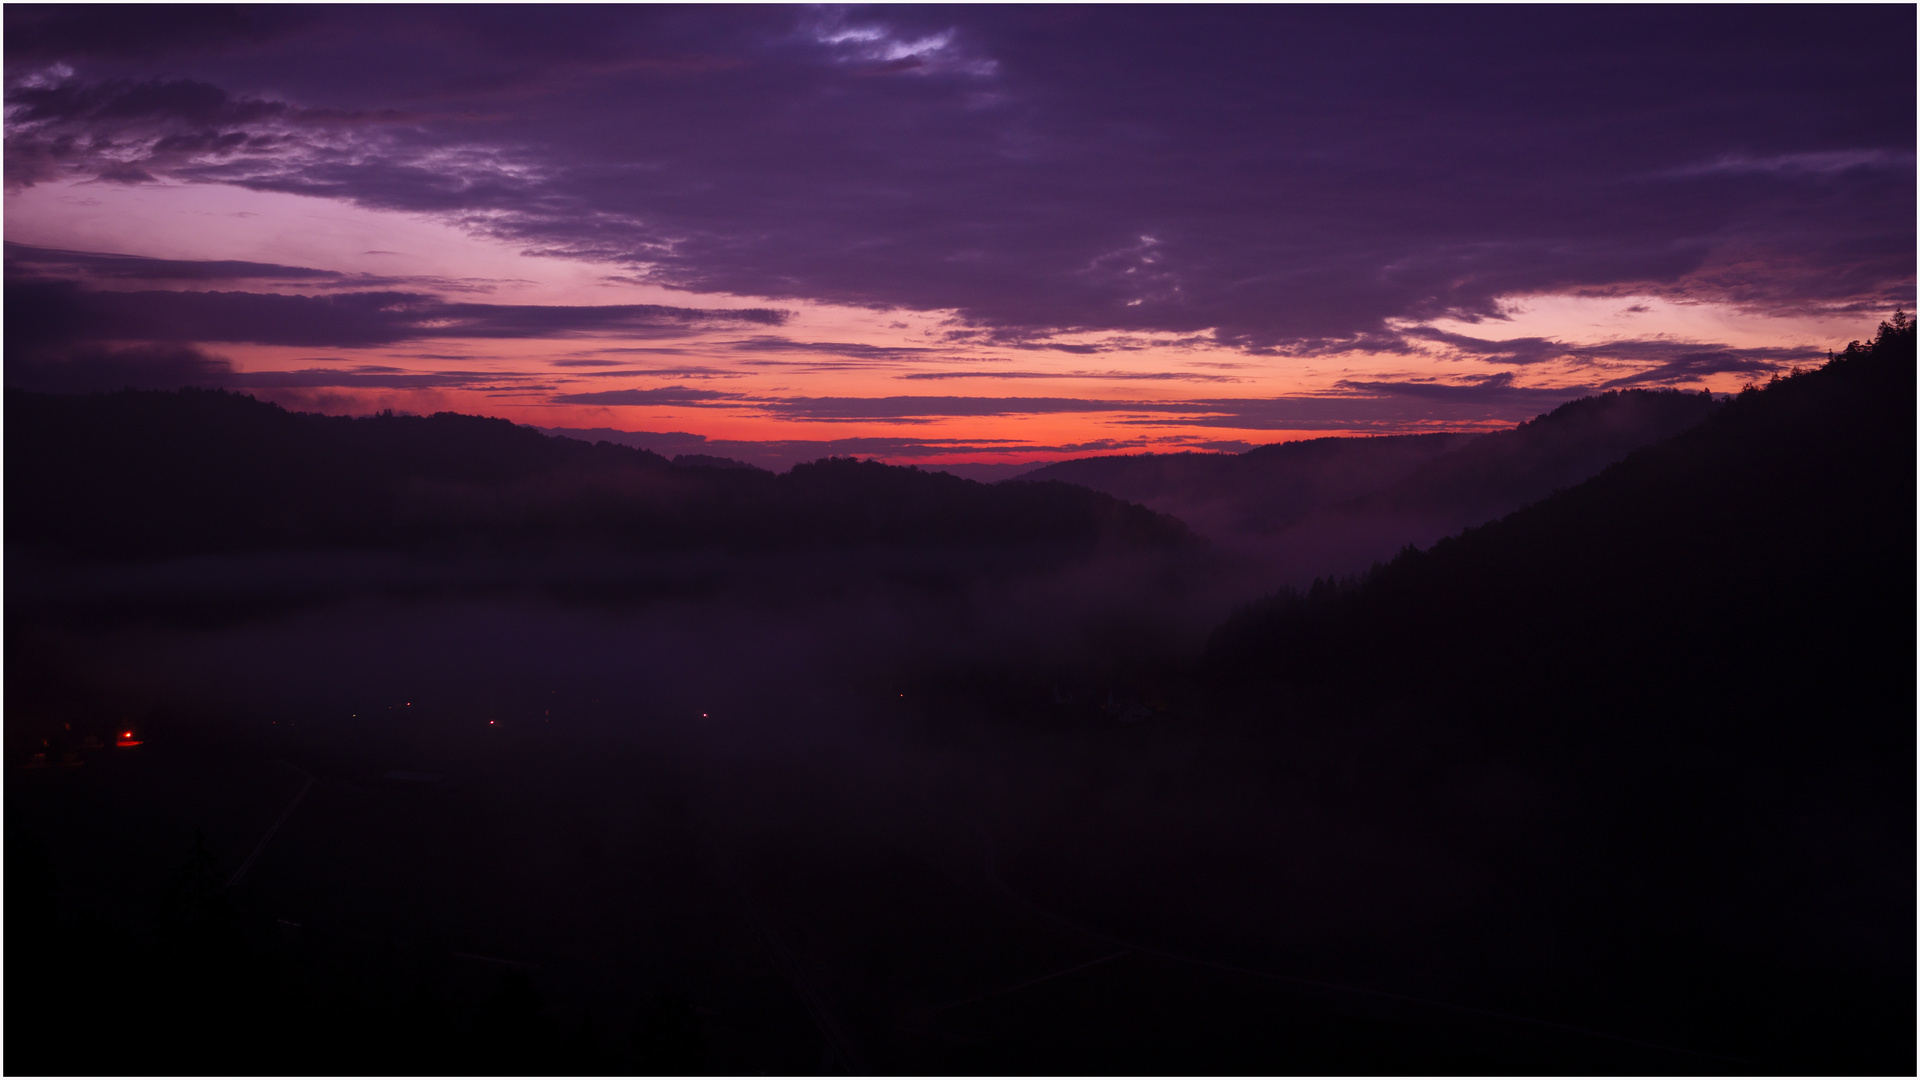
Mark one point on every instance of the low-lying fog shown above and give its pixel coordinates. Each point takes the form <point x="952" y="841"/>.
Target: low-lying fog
<point x="896" y="801"/>
<point x="919" y="796"/>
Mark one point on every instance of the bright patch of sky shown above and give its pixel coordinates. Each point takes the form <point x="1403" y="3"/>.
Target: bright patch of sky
<point x="822" y="351"/>
<point x="1593" y="319"/>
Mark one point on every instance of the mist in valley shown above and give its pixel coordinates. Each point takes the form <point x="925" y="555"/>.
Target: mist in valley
<point x="899" y="805"/>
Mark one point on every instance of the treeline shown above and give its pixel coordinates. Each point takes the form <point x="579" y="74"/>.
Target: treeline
<point x="1695" y="673"/>
<point x="149" y="474"/>
<point x="1776" y="537"/>
<point x="1266" y="487"/>
<point x="1496" y="473"/>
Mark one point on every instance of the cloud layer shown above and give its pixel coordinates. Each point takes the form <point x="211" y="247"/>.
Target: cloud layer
<point x="47" y="311"/>
<point x="1290" y="179"/>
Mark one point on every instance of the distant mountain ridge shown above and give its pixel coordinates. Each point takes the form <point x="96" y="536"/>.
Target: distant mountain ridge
<point x="1336" y="505"/>
<point x="155" y="474"/>
<point x="1268" y="486"/>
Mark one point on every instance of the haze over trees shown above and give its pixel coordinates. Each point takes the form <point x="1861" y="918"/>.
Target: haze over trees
<point x="582" y="760"/>
<point x="1337" y="505"/>
<point x="1702" y="662"/>
<point x="152" y="474"/>
<point x="417" y="740"/>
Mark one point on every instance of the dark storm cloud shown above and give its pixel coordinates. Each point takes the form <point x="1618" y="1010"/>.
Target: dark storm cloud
<point x="1286" y="178"/>
<point x="62" y="311"/>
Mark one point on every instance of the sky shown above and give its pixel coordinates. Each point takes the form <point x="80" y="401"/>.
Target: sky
<point x="932" y="235"/>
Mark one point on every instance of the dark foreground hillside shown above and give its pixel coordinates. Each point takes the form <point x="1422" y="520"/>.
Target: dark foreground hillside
<point x="1790" y="513"/>
<point x="1696" y="673"/>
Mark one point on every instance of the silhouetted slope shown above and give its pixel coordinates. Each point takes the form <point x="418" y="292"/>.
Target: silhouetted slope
<point x="1336" y="505"/>
<point x="1499" y="472"/>
<point x="142" y="474"/>
<point x="1264" y="489"/>
<point x="1745" y="536"/>
<point x="1701" y="664"/>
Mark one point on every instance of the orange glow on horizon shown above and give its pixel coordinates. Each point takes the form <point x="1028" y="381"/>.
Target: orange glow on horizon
<point x="750" y="383"/>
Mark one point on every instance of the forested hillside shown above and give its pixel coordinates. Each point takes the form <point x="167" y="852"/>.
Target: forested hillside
<point x="1695" y="675"/>
<point x="1776" y="537"/>
<point x="1264" y="489"/>
<point x="146" y="474"/>
<point x="1336" y="505"/>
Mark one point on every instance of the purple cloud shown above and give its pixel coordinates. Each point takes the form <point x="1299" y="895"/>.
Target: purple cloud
<point x="662" y="395"/>
<point x="1149" y="376"/>
<point x="64" y="311"/>
<point x="367" y="377"/>
<point x="1686" y="367"/>
<point x="1662" y="361"/>
<point x="22" y="258"/>
<point x="1497" y="388"/>
<point x="1288" y="179"/>
<point x="95" y="367"/>
<point x="780" y="454"/>
<point x="1359" y="405"/>
<point x="907" y="408"/>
